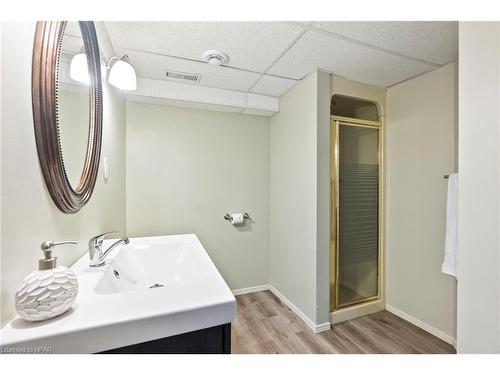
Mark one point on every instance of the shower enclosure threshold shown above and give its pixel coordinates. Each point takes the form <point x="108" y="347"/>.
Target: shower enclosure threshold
<point x="355" y="311"/>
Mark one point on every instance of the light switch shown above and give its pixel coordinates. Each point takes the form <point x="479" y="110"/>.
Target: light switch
<point x="105" y="165"/>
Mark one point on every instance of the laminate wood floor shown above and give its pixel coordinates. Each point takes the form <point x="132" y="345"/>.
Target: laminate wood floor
<point x="265" y="325"/>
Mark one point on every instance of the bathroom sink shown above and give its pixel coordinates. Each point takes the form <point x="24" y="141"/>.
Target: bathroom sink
<point x="139" y="267"/>
<point x="152" y="288"/>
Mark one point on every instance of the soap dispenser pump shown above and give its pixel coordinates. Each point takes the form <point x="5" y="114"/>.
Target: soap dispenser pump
<point x="48" y="292"/>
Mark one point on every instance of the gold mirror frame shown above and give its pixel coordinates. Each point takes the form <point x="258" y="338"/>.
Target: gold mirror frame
<point x="46" y="54"/>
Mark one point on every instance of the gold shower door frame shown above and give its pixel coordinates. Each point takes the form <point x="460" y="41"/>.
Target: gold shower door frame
<point x="335" y="123"/>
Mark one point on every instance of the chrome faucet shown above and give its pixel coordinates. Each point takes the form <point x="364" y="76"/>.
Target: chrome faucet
<point x="96" y="254"/>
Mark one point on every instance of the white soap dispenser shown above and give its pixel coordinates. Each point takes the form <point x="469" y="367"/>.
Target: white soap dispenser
<point x="48" y="292"/>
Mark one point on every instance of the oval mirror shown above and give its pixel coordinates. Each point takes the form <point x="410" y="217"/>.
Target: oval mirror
<point x="67" y="110"/>
<point x="73" y="103"/>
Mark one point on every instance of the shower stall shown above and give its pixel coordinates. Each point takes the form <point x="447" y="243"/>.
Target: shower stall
<point x="356" y="195"/>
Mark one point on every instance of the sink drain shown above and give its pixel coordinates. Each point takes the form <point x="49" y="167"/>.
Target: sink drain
<point x="156" y="286"/>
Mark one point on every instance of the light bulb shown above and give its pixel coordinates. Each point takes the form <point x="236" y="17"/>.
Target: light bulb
<point x="214" y="61"/>
<point x="122" y="75"/>
<point x="78" y="69"/>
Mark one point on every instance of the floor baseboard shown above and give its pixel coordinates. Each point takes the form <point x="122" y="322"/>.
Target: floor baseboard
<point x="252" y="289"/>
<point x="426" y="327"/>
<point x="317" y="328"/>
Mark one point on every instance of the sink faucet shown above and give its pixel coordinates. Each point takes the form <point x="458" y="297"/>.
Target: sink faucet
<point x="95" y="248"/>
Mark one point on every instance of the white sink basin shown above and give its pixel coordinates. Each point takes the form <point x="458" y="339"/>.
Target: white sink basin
<point x="139" y="267"/>
<point x="153" y="287"/>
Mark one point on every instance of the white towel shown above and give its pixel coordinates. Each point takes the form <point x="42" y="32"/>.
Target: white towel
<point x="451" y="243"/>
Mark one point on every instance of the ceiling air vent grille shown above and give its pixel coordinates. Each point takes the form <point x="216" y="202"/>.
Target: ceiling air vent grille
<point x="183" y="76"/>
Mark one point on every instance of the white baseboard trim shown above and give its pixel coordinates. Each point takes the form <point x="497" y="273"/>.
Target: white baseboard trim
<point x="317" y="328"/>
<point x="252" y="289"/>
<point x="323" y="327"/>
<point x="426" y="327"/>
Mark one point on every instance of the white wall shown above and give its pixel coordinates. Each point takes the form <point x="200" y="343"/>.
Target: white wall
<point x="323" y="198"/>
<point x="186" y="168"/>
<point x="421" y="135"/>
<point x="293" y="196"/>
<point x="478" y="318"/>
<point x="28" y="215"/>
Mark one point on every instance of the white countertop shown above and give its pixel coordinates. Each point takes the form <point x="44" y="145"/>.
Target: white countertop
<point x="195" y="296"/>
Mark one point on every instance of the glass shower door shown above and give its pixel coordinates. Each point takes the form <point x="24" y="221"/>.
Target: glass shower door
<point x="357" y="242"/>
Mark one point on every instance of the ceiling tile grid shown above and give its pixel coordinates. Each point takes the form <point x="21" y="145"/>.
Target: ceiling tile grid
<point x="350" y="60"/>
<point x="250" y="45"/>
<point x="268" y="58"/>
<point x="274" y="86"/>
<point x="432" y="41"/>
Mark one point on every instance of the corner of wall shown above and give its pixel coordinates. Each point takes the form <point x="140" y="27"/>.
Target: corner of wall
<point x="323" y="199"/>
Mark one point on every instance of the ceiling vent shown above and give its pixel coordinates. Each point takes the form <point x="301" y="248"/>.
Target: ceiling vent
<point x="215" y="57"/>
<point x="183" y="76"/>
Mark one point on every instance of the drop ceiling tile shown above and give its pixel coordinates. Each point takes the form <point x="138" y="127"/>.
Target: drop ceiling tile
<point x="182" y="104"/>
<point x="257" y="112"/>
<point x="149" y="65"/>
<point x="257" y="101"/>
<point x="250" y="45"/>
<point x="200" y="94"/>
<point x="433" y="41"/>
<point x="274" y="86"/>
<point x="350" y="60"/>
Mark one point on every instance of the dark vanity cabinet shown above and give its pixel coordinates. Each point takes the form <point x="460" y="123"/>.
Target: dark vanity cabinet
<point x="212" y="340"/>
